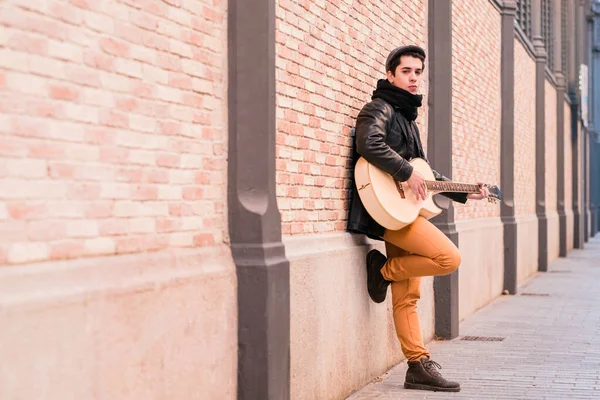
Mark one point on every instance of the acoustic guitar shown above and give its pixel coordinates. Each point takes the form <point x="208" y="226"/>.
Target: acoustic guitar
<point x="394" y="205"/>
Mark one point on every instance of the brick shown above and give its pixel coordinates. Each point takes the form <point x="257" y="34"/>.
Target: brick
<point x="167" y="192"/>
<point x="63" y="93"/>
<point x="83" y="76"/>
<point x="114" y="47"/>
<point x="142" y="225"/>
<point x="28" y="43"/>
<point x="100" y="246"/>
<point x="130" y="68"/>
<point x="98" y="22"/>
<point x="23" y="83"/>
<point x="24" y="168"/>
<point x="145" y="193"/>
<point x="66" y="249"/>
<point x="19" y="253"/>
<point x="45" y="230"/>
<point x="129" y="245"/>
<point x="95" y="210"/>
<point x="204" y="239"/>
<point x="4" y="212"/>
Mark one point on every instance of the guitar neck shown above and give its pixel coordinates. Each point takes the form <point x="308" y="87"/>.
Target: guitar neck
<point x="444" y="186"/>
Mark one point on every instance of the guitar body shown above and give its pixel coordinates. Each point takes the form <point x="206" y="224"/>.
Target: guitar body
<point x="392" y="204"/>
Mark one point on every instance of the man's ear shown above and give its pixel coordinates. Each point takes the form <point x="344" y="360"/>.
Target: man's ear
<point x="390" y="76"/>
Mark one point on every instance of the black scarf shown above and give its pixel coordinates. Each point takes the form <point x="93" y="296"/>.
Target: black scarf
<point x="406" y="102"/>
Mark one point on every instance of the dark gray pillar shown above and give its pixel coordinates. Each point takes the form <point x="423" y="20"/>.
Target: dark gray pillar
<point x="560" y="164"/>
<point x="559" y="75"/>
<point x="595" y="116"/>
<point x="440" y="154"/>
<point x="540" y="134"/>
<point x="254" y="219"/>
<point x="575" y="121"/>
<point x="507" y="126"/>
<point x="575" y="184"/>
<point x="593" y="188"/>
<point x="595" y="182"/>
<point x="586" y="181"/>
<point x="588" y="23"/>
<point x="593" y="221"/>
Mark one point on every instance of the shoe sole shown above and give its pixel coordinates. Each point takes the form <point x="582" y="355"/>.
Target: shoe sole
<point x="430" y="388"/>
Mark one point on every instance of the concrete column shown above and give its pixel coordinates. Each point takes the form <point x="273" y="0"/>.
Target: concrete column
<point x="254" y="219"/>
<point x="540" y="133"/>
<point x="593" y="225"/>
<point x="561" y="84"/>
<point x="576" y="185"/>
<point x="595" y="116"/>
<point x="578" y="39"/>
<point x="595" y="182"/>
<point x="592" y="187"/>
<point x="507" y="127"/>
<point x="588" y="26"/>
<point x="585" y="183"/>
<point x="440" y="154"/>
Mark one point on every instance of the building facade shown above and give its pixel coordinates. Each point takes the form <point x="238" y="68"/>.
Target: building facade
<point x="176" y="180"/>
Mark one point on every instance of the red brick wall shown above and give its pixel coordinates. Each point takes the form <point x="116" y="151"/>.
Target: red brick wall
<point x="113" y="127"/>
<point x="551" y="154"/>
<point x="329" y="57"/>
<point x="524" y="169"/>
<point x="476" y="100"/>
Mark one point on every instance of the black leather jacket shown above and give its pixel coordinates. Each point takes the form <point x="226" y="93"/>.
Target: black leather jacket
<point x="386" y="139"/>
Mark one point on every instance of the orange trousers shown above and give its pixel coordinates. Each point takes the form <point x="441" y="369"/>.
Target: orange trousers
<point x="419" y="249"/>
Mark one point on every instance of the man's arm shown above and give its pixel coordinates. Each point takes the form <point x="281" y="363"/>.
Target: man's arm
<point x="371" y="127"/>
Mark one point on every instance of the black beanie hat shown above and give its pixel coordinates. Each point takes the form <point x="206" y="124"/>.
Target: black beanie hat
<point x="400" y="51"/>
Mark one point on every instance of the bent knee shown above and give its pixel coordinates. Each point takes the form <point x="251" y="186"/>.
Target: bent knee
<point x="450" y="260"/>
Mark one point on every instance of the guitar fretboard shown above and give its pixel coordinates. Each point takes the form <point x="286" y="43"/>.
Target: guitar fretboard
<point x="441" y="186"/>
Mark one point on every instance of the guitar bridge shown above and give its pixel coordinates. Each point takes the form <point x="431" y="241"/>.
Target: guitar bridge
<point x="400" y="189"/>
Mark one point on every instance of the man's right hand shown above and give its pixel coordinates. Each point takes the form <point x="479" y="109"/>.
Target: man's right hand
<point x="416" y="183"/>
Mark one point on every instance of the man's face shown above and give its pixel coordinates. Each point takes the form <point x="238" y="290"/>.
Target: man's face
<point x="409" y="74"/>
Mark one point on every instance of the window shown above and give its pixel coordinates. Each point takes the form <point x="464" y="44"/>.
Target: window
<point x="524" y="16"/>
<point x="564" y="37"/>
<point x="548" y="31"/>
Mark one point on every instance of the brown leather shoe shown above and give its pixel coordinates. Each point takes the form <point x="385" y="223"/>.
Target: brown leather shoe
<point x="424" y="375"/>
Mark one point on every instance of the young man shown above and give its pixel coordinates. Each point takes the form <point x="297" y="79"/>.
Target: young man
<point x="387" y="137"/>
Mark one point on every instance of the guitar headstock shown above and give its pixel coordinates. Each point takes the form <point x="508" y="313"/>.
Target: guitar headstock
<point x="494" y="193"/>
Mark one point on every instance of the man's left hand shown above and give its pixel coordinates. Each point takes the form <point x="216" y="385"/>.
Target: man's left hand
<point x="483" y="193"/>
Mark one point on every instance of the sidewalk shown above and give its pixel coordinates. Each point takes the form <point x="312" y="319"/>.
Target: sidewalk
<point x="551" y="346"/>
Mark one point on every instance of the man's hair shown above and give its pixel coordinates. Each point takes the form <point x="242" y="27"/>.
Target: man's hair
<point x="393" y="59"/>
<point x="395" y="62"/>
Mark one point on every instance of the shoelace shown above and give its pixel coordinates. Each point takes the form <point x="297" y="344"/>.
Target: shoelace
<point x="431" y="366"/>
